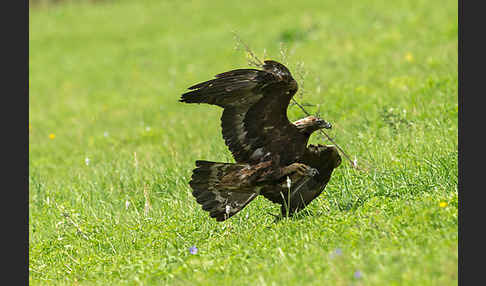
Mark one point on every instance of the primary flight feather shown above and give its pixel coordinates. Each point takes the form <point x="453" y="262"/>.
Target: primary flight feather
<point x="271" y="153"/>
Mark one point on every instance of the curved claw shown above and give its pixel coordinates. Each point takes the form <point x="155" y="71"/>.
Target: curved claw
<point x="324" y="124"/>
<point x="312" y="172"/>
<point x="328" y="125"/>
<point x="277" y="218"/>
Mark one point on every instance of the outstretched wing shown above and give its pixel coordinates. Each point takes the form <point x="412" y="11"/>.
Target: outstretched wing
<point x="325" y="159"/>
<point x="254" y="121"/>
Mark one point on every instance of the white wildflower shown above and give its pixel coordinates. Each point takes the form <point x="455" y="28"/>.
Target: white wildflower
<point x="289" y="182"/>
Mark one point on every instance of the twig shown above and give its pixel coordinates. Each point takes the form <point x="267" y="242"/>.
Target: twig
<point x="135" y="161"/>
<point x="256" y="62"/>
<point x="147" y="205"/>
<point x="283" y="53"/>
<point x="301" y="74"/>
<point x="353" y="162"/>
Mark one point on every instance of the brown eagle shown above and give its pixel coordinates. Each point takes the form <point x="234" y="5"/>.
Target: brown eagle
<point x="271" y="153"/>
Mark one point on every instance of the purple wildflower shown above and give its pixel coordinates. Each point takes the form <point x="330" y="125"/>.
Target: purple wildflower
<point x="336" y="252"/>
<point x="193" y="250"/>
<point x="357" y="274"/>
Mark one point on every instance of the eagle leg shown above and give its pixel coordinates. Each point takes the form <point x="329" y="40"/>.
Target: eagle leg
<point x="302" y="170"/>
<point x="299" y="185"/>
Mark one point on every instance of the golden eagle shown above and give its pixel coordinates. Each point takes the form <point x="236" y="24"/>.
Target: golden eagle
<point x="271" y="153"/>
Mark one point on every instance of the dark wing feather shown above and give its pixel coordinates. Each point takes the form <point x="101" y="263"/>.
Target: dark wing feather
<point x="226" y="90"/>
<point x="325" y="159"/>
<point x="254" y="121"/>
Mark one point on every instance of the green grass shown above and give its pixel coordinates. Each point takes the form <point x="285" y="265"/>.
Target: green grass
<point x="105" y="79"/>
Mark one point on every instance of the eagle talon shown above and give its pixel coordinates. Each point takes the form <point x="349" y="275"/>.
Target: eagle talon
<point x="312" y="172"/>
<point x="274" y="215"/>
<point x="307" y="171"/>
<point x="327" y="125"/>
<point x="277" y="218"/>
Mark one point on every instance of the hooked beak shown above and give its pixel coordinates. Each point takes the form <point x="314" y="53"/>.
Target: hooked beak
<point x="324" y="124"/>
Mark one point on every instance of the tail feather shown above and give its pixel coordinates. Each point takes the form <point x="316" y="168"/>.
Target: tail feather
<point x="221" y="203"/>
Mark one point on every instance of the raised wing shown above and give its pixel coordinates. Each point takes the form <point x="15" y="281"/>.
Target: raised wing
<point x="254" y="121"/>
<point x="325" y="159"/>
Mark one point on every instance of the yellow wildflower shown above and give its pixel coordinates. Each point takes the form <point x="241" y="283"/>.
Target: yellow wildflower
<point x="409" y="57"/>
<point x="52" y="136"/>
<point x="443" y="204"/>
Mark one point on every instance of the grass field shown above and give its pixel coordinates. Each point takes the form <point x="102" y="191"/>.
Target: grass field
<point x="111" y="149"/>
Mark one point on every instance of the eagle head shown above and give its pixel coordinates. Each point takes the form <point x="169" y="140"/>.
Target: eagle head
<point x="309" y="124"/>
